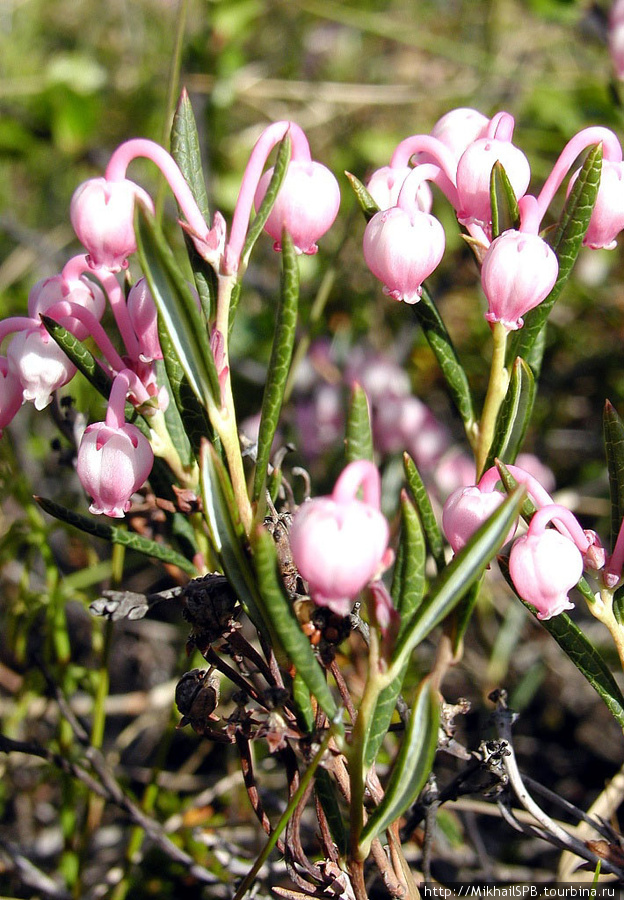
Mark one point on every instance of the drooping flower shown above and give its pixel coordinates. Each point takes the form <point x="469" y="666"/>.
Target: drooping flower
<point x="113" y="463"/>
<point x="50" y="291"/>
<point x="39" y="364"/>
<point x="144" y="319"/>
<point x="11" y="394"/>
<point x="460" y="127"/>
<point x="102" y="215"/>
<point x="607" y="218"/>
<point x="543" y="568"/>
<point x="385" y="185"/>
<point x="306" y="205"/>
<point x="519" y="271"/>
<point x="339" y="543"/>
<point x="465" y="510"/>
<point x="474" y="170"/>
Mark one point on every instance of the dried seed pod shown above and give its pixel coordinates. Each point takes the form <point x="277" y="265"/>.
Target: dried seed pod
<point x="197" y="697"/>
<point x="209" y="606"/>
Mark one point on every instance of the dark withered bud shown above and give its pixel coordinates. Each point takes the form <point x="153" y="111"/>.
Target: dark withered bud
<point x="209" y="606"/>
<point x="197" y="697"/>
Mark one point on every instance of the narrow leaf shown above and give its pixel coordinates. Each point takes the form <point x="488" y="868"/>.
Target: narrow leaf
<point x="192" y="415"/>
<point x="585" y="656"/>
<point x="368" y="205"/>
<point x="227" y="534"/>
<point x="279" y="365"/>
<point x="277" y="178"/>
<point x="325" y="788"/>
<point x="505" y="212"/>
<point x="178" y="310"/>
<point x="433" y="535"/>
<point x="566" y="241"/>
<point x="440" y="342"/>
<point x="359" y="437"/>
<point x="514" y="415"/>
<point x="185" y="149"/>
<point x="459" y="575"/>
<point x="115" y="535"/>
<point x="413" y="764"/>
<point x="613" y="431"/>
<point x="285" y="624"/>
<point x="80" y="355"/>
<point x="408" y="590"/>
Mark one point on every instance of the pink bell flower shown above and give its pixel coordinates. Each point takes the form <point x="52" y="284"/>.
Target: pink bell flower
<point x="144" y="320"/>
<point x="543" y="569"/>
<point x="306" y="205"/>
<point x="11" y="394"/>
<point x="113" y="463"/>
<point x="385" y="185"/>
<point x="460" y="127"/>
<point x="403" y="245"/>
<point x="616" y="38"/>
<point x="39" y="363"/>
<point x="102" y="215"/>
<point x="474" y="170"/>
<point x="519" y="271"/>
<point x="50" y="291"/>
<point x="339" y="543"/>
<point x="465" y="510"/>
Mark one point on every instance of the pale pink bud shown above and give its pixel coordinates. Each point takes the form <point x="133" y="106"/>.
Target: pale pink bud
<point x="112" y="464"/>
<point x="473" y="177"/>
<point x="144" y="318"/>
<point x="403" y="248"/>
<point x="306" y="205"/>
<point x="339" y="543"/>
<point x="460" y="127"/>
<point x="49" y="291"/>
<point x="543" y="568"/>
<point x="519" y="271"/>
<point x="11" y="394"/>
<point x="385" y="185"/>
<point x="102" y="215"/>
<point x="466" y="510"/>
<point x="616" y="38"/>
<point x="607" y="218"/>
<point x="39" y="364"/>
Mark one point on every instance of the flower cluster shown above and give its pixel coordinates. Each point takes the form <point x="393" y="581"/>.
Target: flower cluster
<point x="114" y="457"/>
<point x="404" y="242"/>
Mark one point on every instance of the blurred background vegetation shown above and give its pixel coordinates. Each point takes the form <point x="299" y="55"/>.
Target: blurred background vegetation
<point x="76" y="79"/>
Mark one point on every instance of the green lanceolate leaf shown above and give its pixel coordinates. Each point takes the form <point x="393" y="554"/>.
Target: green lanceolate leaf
<point x="566" y="241"/>
<point x="115" y="535"/>
<point x="227" y="534"/>
<point x="412" y="767"/>
<point x="192" y="416"/>
<point x="613" y="431"/>
<point x="178" y="310"/>
<point x="81" y="357"/>
<point x="440" y="342"/>
<point x="279" y="365"/>
<point x="514" y="415"/>
<point x="505" y="212"/>
<point x="325" y="788"/>
<point x="587" y="659"/>
<point x="433" y="535"/>
<point x="284" y="623"/>
<point x="359" y="438"/>
<point x="408" y="590"/>
<point x="368" y="205"/>
<point x="459" y="575"/>
<point x="185" y="149"/>
<point x="277" y="178"/>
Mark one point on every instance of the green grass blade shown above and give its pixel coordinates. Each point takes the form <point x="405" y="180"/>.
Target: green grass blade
<point x="367" y="204"/>
<point x="613" y="431"/>
<point x="505" y="212"/>
<point x="433" y="535"/>
<point x="80" y="355"/>
<point x="279" y="365"/>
